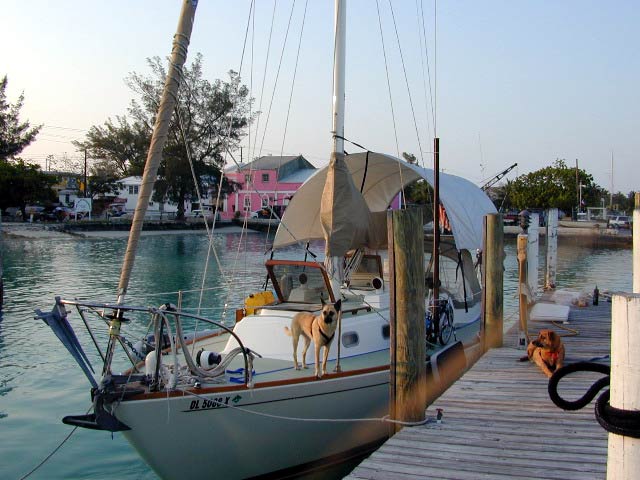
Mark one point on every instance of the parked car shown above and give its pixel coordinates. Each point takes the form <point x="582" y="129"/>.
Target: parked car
<point x="37" y="211"/>
<point x="59" y="214"/>
<point x="198" y="213"/>
<point x="620" y="221"/>
<point x="12" y="214"/>
<point x="265" y="212"/>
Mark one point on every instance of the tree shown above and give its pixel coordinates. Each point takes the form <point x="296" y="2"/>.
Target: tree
<point x="553" y="187"/>
<point x="210" y="119"/>
<point x="122" y="144"/>
<point x="103" y="179"/>
<point x="14" y="135"/>
<point x="22" y="184"/>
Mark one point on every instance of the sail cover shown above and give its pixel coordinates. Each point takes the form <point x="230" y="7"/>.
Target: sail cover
<point x="381" y="177"/>
<point x="344" y="215"/>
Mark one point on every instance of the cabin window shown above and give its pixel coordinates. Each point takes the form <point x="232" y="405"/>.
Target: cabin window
<point x="298" y="283"/>
<point x="133" y="189"/>
<point x="265" y="178"/>
<point x="265" y="202"/>
<point x="247" y="202"/>
<point x="350" y="339"/>
<point x="247" y="178"/>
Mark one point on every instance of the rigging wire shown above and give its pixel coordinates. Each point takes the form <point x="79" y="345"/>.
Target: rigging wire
<point x="264" y="74"/>
<point x="275" y="84"/>
<point x="406" y="80"/>
<point x="286" y="123"/>
<point x="393" y="116"/>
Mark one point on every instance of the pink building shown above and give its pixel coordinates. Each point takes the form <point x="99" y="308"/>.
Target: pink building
<point x="268" y="181"/>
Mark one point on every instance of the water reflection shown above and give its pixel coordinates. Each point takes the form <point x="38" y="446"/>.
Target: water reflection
<point x="39" y="383"/>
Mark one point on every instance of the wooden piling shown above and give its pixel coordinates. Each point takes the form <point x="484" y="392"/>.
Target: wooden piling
<point x="523" y="291"/>
<point x="552" y="249"/>
<point x="492" y="280"/>
<point x="636" y="245"/>
<point x="533" y="251"/>
<point x="407" y="382"/>
<point x="623" y="461"/>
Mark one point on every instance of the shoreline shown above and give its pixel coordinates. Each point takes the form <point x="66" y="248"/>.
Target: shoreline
<point x="598" y="237"/>
<point x="28" y="231"/>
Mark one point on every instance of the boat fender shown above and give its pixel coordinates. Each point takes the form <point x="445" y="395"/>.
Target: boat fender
<point x="150" y="364"/>
<point x="138" y="351"/>
<point x="207" y="359"/>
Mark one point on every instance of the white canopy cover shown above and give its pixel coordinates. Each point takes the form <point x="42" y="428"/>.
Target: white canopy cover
<point x="383" y="177"/>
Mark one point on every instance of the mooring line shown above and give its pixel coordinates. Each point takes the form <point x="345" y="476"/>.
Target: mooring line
<point x="34" y="469"/>
<point x="324" y="420"/>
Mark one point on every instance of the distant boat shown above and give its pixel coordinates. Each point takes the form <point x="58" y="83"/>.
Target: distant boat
<point x="230" y="403"/>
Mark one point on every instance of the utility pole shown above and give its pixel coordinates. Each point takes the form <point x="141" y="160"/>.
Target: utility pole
<point x="84" y="190"/>
<point x="577" y="190"/>
<point x="580" y="199"/>
<point x="611" y="194"/>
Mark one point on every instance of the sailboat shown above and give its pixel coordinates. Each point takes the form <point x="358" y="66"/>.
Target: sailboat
<point x="229" y="403"/>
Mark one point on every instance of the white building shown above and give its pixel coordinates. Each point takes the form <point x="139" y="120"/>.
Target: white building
<point x="128" y="189"/>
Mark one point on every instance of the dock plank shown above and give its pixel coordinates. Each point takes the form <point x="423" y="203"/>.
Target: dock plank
<point x="499" y="423"/>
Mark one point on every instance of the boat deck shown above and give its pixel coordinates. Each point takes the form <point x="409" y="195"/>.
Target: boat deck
<point x="499" y="423"/>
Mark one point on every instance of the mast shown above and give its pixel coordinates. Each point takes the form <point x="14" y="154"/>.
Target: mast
<point x="334" y="264"/>
<point x="339" y="62"/>
<point x="159" y="138"/>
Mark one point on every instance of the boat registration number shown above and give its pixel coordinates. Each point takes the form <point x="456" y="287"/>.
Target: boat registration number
<point x="204" y="404"/>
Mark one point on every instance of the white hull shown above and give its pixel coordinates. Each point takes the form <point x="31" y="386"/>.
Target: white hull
<point x="179" y="438"/>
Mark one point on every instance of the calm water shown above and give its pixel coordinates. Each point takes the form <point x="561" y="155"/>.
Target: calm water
<point x="40" y="383"/>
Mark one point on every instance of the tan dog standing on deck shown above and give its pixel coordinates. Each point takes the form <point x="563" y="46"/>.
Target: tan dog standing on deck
<point x="547" y="351"/>
<point x="321" y="329"/>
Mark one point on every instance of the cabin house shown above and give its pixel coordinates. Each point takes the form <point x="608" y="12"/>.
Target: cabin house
<point x="268" y="181"/>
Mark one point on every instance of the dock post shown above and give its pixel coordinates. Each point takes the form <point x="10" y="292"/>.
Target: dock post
<point x="636" y="244"/>
<point x="407" y="382"/>
<point x="533" y="252"/>
<point x="552" y="249"/>
<point x="523" y="290"/>
<point x="492" y="281"/>
<point x="623" y="461"/>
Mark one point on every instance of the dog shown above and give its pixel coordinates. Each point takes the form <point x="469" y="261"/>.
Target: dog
<point x="547" y="351"/>
<point x="319" y="328"/>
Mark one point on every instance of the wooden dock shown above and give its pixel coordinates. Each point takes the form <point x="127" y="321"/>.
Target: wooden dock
<point x="499" y="423"/>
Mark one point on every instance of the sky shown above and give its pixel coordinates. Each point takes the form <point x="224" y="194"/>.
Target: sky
<point x="506" y="82"/>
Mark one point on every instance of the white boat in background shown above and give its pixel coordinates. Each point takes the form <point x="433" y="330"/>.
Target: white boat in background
<point x="229" y="403"/>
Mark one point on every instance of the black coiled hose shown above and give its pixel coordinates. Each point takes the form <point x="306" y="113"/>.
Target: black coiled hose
<point x="614" y="420"/>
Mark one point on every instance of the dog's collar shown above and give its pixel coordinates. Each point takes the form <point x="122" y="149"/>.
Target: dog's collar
<point x="327" y="339"/>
